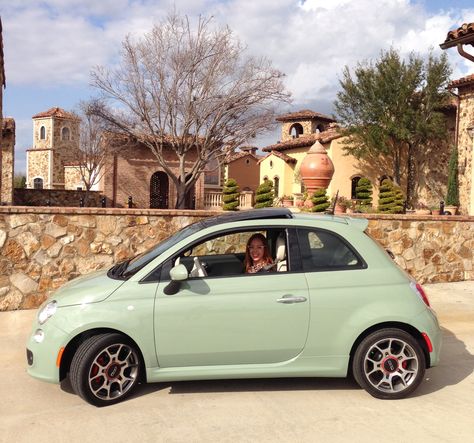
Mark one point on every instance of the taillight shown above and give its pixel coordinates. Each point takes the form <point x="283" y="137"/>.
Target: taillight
<point x="420" y="292"/>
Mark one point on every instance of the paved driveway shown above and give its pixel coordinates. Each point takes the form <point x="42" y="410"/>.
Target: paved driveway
<point x="294" y="410"/>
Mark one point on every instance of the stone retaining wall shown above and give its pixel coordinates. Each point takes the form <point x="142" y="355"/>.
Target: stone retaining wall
<point x="41" y="248"/>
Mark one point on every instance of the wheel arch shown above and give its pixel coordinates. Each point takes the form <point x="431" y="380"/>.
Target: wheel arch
<point x="415" y="333"/>
<point x="73" y="344"/>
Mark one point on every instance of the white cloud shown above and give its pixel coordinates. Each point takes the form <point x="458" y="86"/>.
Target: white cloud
<point x="57" y="42"/>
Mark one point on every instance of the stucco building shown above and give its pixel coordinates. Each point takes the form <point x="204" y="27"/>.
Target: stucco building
<point x="301" y="129"/>
<point x="243" y="167"/>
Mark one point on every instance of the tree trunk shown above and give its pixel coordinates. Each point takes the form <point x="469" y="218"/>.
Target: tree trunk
<point x="180" y="195"/>
<point x="410" y="176"/>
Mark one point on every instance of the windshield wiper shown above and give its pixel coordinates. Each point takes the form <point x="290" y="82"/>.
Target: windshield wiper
<point x="118" y="269"/>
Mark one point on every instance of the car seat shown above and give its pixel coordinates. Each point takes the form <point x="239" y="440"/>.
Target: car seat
<point x="280" y="254"/>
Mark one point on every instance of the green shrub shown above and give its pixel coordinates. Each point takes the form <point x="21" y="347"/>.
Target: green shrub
<point x="230" y="195"/>
<point x="452" y="196"/>
<point x="264" y="195"/>
<point x="391" y="198"/>
<point x="364" y="192"/>
<point x="320" y="201"/>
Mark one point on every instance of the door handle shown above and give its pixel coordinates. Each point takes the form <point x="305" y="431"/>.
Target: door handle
<point x="289" y="300"/>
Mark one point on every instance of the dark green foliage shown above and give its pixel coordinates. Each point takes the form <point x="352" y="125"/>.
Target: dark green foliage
<point x="264" y="195"/>
<point x="320" y="201"/>
<point x="19" y="181"/>
<point x="391" y="198"/>
<point x="364" y="192"/>
<point x="452" y="196"/>
<point x="230" y="197"/>
<point x="393" y="108"/>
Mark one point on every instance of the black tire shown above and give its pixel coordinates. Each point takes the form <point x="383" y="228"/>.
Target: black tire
<point x="389" y="364"/>
<point x="105" y="369"/>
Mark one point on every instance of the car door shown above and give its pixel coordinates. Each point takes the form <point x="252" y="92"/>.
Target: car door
<point x="338" y="280"/>
<point x="237" y="319"/>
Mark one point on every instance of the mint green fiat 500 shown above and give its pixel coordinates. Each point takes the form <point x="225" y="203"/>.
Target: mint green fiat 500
<point x="329" y="302"/>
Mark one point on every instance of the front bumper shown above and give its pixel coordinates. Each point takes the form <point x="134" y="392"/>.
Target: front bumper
<point x="42" y="357"/>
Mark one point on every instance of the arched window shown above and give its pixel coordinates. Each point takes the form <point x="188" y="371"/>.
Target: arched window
<point x="65" y="134"/>
<point x="320" y="128"/>
<point x="42" y="133"/>
<point x="354" y="182"/>
<point x="276" y="185"/>
<point x="383" y="178"/>
<point x="38" y="182"/>
<point x="296" y="130"/>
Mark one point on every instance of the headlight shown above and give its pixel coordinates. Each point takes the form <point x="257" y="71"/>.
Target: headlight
<point x="47" y="311"/>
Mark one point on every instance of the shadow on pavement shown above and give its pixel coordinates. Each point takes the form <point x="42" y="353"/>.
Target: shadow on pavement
<point x="456" y="364"/>
<point x="251" y="385"/>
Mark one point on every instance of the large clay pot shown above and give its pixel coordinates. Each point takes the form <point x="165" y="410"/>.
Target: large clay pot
<point x="316" y="168"/>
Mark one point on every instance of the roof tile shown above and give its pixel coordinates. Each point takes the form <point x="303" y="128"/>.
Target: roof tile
<point x="303" y="115"/>
<point x="55" y="112"/>
<point x="306" y="141"/>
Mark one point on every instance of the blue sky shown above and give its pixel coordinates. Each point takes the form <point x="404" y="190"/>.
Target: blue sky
<point x="52" y="45"/>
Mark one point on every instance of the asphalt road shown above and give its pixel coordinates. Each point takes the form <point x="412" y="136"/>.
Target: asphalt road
<point x="282" y="410"/>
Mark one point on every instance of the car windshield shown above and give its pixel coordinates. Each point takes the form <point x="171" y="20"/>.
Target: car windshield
<point x="146" y="257"/>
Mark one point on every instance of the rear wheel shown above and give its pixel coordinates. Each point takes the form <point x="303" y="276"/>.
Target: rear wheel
<point x="105" y="369"/>
<point x="389" y="364"/>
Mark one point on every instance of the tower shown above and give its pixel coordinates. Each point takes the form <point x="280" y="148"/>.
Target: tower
<point x="302" y="123"/>
<point x="55" y="143"/>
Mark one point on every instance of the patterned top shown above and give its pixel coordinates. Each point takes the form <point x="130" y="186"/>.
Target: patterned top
<point x="257" y="268"/>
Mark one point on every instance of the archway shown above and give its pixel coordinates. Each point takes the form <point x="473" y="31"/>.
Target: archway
<point x="159" y="190"/>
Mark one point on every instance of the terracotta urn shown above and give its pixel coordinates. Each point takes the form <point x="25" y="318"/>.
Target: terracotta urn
<point x="316" y="168"/>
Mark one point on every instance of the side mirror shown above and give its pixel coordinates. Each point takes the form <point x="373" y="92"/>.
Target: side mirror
<point x="178" y="274"/>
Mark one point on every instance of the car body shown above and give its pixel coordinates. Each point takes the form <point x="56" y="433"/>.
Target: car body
<point x="334" y="303"/>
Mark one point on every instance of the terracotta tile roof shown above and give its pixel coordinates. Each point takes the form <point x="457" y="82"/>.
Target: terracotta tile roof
<point x="55" y="112"/>
<point x="464" y="35"/>
<point x="236" y="155"/>
<point x="463" y="81"/>
<point x="8" y="124"/>
<point x="281" y="155"/>
<point x="306" y="141"/>
<point x="303" y="115"/>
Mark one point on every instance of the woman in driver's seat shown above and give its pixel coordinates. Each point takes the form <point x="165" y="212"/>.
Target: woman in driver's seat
<point x="257" y="255"/>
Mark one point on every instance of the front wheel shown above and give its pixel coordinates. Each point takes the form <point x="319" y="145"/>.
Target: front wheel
<point x="389" y="364"/>
<point x="105" y="369"/>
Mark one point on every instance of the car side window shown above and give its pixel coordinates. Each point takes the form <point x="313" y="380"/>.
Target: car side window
<point x="325" y="251"/>
<point x="224" y="255"/>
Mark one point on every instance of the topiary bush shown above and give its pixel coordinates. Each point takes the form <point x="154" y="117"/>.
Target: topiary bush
<point x="364" y="192"/>
<point x="452" y="196"/>
<point x="230" y="195"/>
<point x="399" y="203"/>
<point x="264" y="195"/>
<point x="391" y="198"/>
<point x="320" y="201"/>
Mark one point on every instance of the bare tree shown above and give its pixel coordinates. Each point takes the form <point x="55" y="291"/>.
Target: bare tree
<point x="93" y="149"/>
<point x="190" y="91"/>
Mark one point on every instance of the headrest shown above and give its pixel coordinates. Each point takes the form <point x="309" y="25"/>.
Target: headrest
<point x="280" y="248"/>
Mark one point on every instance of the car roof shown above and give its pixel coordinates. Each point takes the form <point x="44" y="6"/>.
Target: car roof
<point x="251" y="214"/>
<point x="280" y="213"/>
